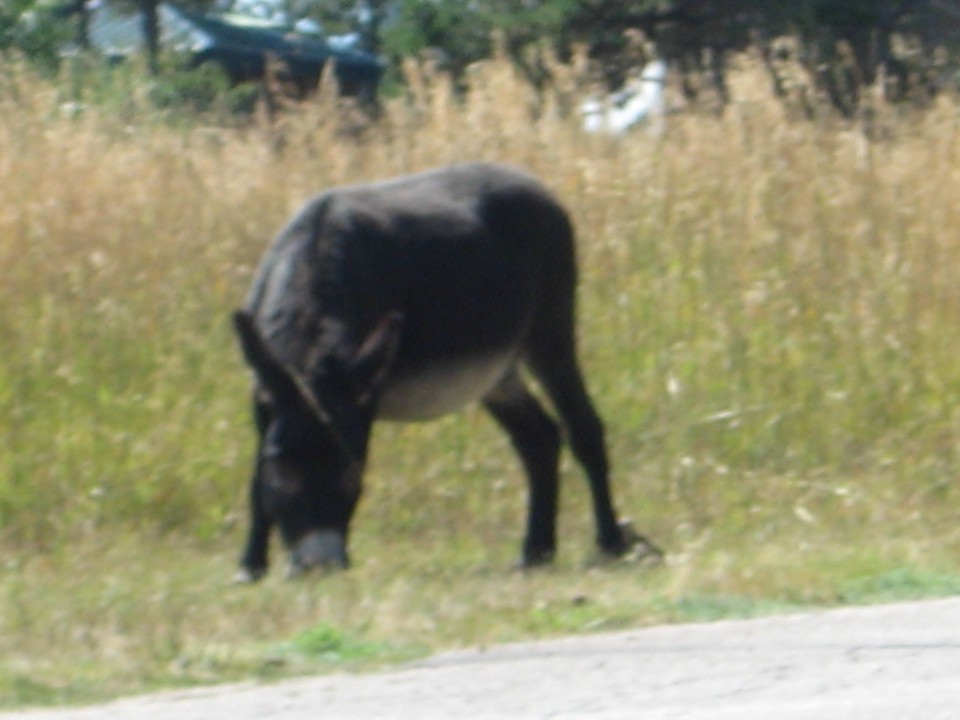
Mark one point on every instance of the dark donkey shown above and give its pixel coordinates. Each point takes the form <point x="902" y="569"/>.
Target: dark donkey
<point x="405" y="300"/>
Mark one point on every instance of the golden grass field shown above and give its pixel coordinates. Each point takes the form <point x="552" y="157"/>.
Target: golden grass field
<point x="770" y="327"/>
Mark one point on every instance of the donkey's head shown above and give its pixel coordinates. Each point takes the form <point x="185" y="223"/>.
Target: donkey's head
<point x="313" y="440"/>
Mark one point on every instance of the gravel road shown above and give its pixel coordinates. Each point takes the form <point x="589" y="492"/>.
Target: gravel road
<point x="893" y="662"/>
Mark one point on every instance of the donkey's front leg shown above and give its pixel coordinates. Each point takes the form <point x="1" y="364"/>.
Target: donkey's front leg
<point x="253" y="563"/>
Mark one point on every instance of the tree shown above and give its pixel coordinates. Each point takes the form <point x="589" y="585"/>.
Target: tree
<point x="151" y="33"/>
<point x="845" y="45"/>
<point x="150" y="25"/>
<point x="33" y="28"/>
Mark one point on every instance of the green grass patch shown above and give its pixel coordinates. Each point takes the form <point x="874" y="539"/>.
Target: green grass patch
<point x="21" y="690"/>
<point x="705" y="608"/>
<point x="899" y="584"/>
<point x="326" y="645"/>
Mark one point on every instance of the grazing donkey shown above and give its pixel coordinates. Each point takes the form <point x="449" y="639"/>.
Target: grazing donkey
<point x="405" y="300"/>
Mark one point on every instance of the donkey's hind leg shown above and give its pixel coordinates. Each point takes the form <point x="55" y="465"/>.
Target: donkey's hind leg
<point x="536" y="438"/>
<point x="563" y="381"/>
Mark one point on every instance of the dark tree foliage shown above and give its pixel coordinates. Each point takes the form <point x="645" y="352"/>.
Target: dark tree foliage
<point x="845" y="46"/>
<point x="149" y="14"/>
<point x="36" y="32"/>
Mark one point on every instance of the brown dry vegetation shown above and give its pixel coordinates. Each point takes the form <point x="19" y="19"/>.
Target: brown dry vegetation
<point x="771" y="321"/>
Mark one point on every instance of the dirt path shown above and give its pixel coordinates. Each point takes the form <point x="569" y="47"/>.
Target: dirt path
<point x="896" y="662"/>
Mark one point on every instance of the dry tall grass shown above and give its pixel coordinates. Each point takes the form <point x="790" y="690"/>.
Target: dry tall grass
<point x="770" y="325"/>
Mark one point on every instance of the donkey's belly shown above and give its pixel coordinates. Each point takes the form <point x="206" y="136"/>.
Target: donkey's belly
<point x="441" y="388"/>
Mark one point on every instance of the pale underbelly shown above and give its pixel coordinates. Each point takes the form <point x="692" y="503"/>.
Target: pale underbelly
<point x="442" y="389"/>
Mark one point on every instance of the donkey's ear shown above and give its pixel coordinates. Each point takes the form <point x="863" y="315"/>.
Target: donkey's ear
<point x="276" y="379"/>
<point x="372" y="362"/>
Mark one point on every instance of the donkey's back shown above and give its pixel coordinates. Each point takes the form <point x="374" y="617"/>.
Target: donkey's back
<point x="478" y="259"/>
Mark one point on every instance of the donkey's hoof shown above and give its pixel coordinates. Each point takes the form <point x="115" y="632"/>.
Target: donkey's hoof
<point x="644" y="552"/>
<point x="639" y="548"/>
<point x="533" y="559"/>
<point x="248" y="576"/>
<point x="633" y="547"/>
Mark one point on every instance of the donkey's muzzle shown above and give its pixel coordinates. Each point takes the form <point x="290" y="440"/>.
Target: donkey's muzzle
<point x="323" y="550"/>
